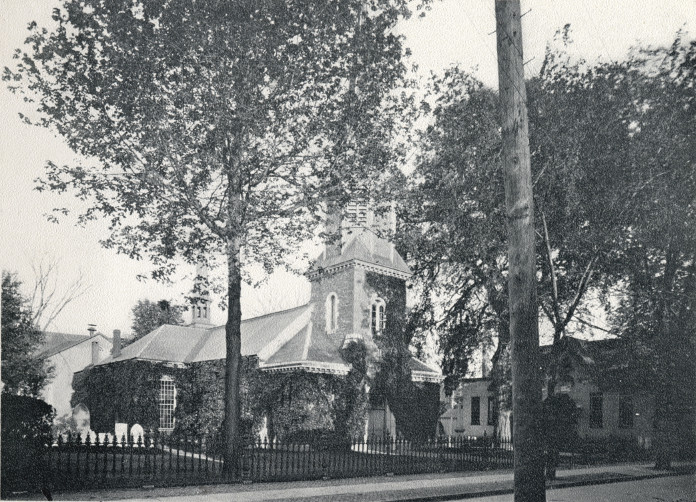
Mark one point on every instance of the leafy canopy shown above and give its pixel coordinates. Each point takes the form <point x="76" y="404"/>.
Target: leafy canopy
<point x="22" y="373"/>
<point x="612" y="166"/>
<point x="203" y="123"/>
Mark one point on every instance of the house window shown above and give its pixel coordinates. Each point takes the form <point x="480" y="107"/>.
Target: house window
<point x="167" y="403"/>
<point x="476" y="410"/>
<point x="377" y="316"/>
<point x="492" y="411"/>
<point x="331" y="313"/>
<point x="596" y="416"/>
<point x="458" y="402"/>
<point x="625" y="412"/>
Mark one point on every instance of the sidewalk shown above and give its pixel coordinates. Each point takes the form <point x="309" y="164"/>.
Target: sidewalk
<point x="424" y="487"/>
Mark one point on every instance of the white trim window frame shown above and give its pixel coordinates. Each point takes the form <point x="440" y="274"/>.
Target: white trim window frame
<point x="167" y="403"/>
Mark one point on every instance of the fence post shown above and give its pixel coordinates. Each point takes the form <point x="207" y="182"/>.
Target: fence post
<point x="88" y="444"/>
<point x="486" y="451"/>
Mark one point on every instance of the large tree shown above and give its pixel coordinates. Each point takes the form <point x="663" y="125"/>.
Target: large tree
<point x="22" y="373"/>
<point x="613" y="174"/>
<point x="657" y="256"/>
<point x="214" y="126"/>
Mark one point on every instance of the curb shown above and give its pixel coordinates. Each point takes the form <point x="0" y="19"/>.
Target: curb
<point x="564" y="484"/>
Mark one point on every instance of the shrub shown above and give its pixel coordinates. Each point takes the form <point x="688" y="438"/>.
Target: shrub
<point x="26" y="434"/>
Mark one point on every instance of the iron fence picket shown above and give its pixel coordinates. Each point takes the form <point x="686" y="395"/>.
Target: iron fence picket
<point x="74" y="460"/>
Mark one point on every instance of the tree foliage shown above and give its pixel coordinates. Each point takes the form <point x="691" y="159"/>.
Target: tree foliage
<point x="148" y="316"/>
<point x="214" y="127"/>
<point x="658" y="253"/>
<point x="22" y="372"/>
<point x="614" y="182"/>
<point x="26" y="431"/>
<point x="452" y="221"/>
<point x="179" y="111"/>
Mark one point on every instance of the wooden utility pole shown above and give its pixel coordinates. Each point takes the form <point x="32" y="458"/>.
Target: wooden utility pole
<point x="524" y="331"/>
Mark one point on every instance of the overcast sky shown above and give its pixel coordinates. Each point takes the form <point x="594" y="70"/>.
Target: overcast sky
<point x="455" y="31"/>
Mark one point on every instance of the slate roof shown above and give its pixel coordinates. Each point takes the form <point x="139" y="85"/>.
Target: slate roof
<point x="58" y="342"/>
<point x="366" y="247"/>
<point x="283" y="341"/>
<point x="310" y="349"/>
<point x="188" y="344"/>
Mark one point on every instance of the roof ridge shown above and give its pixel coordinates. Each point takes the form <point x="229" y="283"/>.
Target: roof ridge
<point x="61" y="333"/>
<point x="207" y="333"/>
<point x="274" y="313"/>
<point x="43" y="354"/>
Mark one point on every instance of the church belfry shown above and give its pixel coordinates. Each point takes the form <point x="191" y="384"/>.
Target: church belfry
<point x="200" y="307"/>
<point x="359" y="281"/>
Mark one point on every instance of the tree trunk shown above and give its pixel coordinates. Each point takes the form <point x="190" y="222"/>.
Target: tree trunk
<point x="529" y="481"/>
<point x="233" y="366"/>
<point x="664" y="425"/>
<point x="663" y="430"/>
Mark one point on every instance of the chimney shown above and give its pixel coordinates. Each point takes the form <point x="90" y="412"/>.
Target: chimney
<point x="92" y="328"/>
<point x="95" y="353"/>
<point x="116" y="349"/>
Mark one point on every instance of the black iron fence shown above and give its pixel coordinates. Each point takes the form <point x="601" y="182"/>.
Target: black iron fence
<point x="73" y="462"/>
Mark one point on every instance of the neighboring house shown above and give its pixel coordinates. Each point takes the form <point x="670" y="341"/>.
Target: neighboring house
<point x="358" y="289"/>
<point x="471" y="410"/>
<point x="616" y="410"/>
<point x="69" y="354"/>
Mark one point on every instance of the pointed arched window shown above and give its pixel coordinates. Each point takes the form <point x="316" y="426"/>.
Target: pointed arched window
<point x="331" y="313"/>
<point x="378" y="316"/>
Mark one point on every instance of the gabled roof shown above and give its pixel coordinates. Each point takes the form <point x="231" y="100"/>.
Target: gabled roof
<point x="58" y="342"/>
<point x="368" y="248"/>
<point x="187" y="344"/>
<point x="283" y="341"/>
<point x="259" y="334"/>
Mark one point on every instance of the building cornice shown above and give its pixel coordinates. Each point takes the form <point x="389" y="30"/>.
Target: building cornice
<point x="371" y="267"/>
<point x="426" y="376"/>
<point x="309" y="366"/>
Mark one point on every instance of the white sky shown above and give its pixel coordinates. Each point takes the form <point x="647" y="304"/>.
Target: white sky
<point x="455" y="31"/>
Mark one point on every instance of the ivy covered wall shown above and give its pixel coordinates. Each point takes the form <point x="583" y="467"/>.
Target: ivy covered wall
<point x="300" y="404"/>
<point x="128" y="392"/>
<point x="296" y="403"/>
<point x="416" y="406"/>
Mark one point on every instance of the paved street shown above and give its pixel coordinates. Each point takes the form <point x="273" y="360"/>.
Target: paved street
<point x="599" y="483"/>
<point x="669" y="489"/>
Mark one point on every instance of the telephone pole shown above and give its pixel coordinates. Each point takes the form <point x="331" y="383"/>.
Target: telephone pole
<point x="529" y="481"/>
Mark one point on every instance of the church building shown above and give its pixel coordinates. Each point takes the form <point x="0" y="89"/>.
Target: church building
<point x="358" y="296"/>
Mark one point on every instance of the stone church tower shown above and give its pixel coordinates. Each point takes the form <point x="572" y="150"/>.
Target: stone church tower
<point x="359" y="281"/>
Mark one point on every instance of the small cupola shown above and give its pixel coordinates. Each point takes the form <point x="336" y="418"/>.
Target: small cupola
<point x="200" y="306"/>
